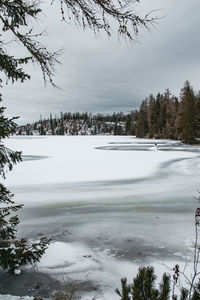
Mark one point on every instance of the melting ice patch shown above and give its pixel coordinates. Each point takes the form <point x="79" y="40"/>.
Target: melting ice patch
<point x="72" y="261"/>
<point x="79" y="262"/>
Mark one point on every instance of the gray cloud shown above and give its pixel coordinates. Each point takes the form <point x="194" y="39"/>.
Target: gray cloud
<point x="105" y="75"/>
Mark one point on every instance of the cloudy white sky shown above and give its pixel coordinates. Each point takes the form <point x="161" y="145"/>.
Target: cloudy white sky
<point x="105" y="74"/>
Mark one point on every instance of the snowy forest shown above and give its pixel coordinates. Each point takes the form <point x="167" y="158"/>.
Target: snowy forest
<point x="160" y="116"/>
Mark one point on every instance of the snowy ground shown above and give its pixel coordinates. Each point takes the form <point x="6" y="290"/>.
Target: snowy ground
<point x="10" y="297"/>
<point x="109" y="203"/>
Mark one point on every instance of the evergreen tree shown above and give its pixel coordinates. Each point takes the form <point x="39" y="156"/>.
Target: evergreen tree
<point x="187" y="123"/>
<point x="125" y="290"/>
<point x="142" y="123"/>
<point x="52" y="125"/>
<point x="197" y="115"/>
<point x="162" y="119"/>
<point x="13" y="252"/>
<point x="116" y="129"/>
<point x="61" y="129"/>
<point x="143" y="288"/>
<point x="42" y="129"/>
<point x="129" y="125"/>
<point x="166" y="117"/>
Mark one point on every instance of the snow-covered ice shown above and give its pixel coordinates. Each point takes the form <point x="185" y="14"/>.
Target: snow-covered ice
<point x="109" y="203"/>
<point x="77" y="159"/>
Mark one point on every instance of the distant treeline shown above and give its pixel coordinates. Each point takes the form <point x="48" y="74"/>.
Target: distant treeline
<point x="82" y="124"/>
<point x="163" y="116"/>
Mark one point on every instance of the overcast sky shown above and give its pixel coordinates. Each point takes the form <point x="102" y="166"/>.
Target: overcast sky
<point x="106" y="75"/>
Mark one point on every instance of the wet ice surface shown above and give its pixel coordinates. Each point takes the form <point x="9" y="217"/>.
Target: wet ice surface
<point x="106" y="222"/>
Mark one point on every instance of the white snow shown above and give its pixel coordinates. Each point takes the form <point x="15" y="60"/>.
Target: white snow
<point x="76" y="159"/>
<point x="76" y="168"/>
<point x="62" y="256"/>
<point x="10" y="297"/>
<point x="17" y="272"/>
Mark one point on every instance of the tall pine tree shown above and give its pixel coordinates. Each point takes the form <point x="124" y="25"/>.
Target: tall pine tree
<point x="142" y="123"/>
<point x="187" y="122"/>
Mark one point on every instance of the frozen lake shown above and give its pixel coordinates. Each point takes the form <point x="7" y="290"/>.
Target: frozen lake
<point x="109" y="203"/>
